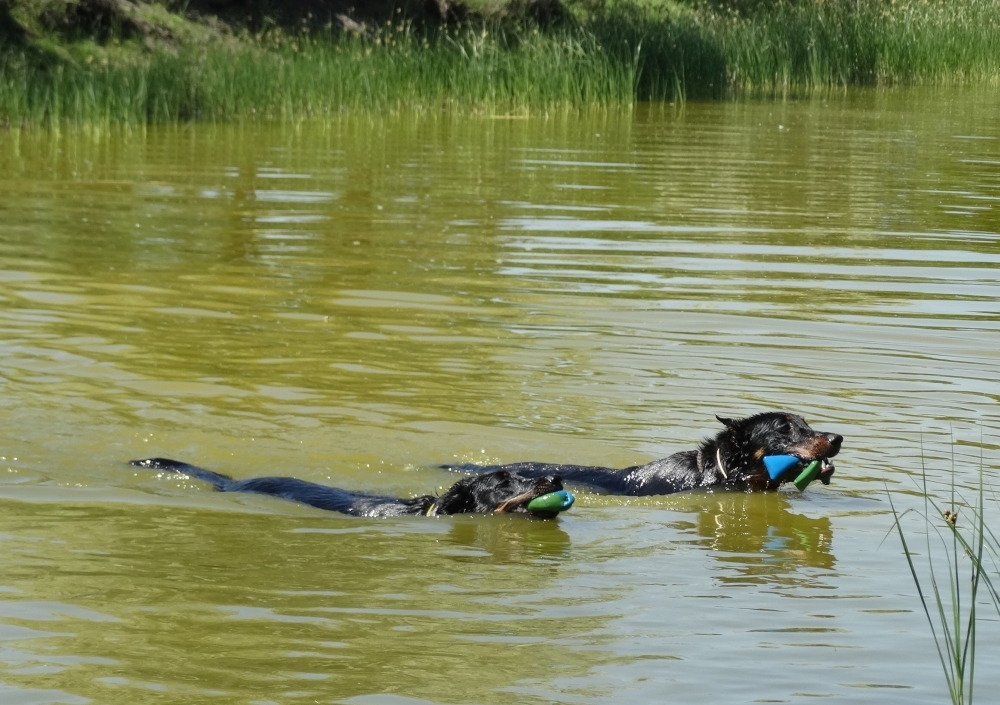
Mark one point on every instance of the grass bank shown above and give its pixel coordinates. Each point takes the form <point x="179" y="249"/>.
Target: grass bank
<point x="302" y="77"/>
<point x="607" y="55"/>
<point x="810" y="44"/>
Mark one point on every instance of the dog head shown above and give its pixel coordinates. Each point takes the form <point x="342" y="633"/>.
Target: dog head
<point x="498" y="492"/>
<point x="778" y="433"/>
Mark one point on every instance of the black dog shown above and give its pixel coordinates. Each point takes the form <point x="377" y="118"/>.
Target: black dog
<point x="733" y="458"/>
<point x="498" y="492"/>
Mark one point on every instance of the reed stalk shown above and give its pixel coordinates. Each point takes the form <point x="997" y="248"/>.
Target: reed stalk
<point x="951" y="606"/>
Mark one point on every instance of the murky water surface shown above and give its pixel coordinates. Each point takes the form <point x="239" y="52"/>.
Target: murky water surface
<point x="356" y="302"/>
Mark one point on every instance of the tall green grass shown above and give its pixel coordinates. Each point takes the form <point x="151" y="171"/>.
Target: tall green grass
<point x="302" y="77"/>
<point x="810" y="44"/>
<point x="616" y="56"/>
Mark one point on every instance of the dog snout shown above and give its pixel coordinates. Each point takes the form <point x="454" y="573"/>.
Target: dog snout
<point x="834" y="439"/>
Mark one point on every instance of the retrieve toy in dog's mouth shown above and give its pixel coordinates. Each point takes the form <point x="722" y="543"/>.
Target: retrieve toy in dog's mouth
<point x="778" y="464"/>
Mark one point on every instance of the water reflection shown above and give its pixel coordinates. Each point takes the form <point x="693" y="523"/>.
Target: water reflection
<point x="761" y="538"/>
<point x="515" y="540"/>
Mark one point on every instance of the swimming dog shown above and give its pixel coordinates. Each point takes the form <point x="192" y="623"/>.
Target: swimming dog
<point x="496" y="492"/>
<point x="732" y="458"/>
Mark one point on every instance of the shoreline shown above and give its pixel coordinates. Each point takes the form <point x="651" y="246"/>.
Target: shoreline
<point x="618" y="57"/>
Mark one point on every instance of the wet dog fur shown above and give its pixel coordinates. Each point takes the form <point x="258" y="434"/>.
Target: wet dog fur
<point x="732" y="458"/>
<point x="496" y="492"/>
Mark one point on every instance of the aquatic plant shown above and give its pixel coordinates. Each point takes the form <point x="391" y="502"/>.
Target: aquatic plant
<point x="952" y="609"/>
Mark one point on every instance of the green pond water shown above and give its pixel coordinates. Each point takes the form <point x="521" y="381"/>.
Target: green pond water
<point x="352" y="303"/>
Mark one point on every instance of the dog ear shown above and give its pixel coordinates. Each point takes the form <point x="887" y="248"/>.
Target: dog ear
<point x="458" y="499"/>
<point x="728" y="423"/>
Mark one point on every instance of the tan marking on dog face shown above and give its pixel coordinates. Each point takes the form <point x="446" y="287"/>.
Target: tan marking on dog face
<point x="515" y="502"/>
<point x="759" y="481"/>
<point x="819" y="447"/>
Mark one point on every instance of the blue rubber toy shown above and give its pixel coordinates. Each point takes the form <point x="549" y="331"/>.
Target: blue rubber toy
<point x="777" y="464"/>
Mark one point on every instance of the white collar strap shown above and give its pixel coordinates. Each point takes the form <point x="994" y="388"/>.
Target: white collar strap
<point x="718" y="461"/>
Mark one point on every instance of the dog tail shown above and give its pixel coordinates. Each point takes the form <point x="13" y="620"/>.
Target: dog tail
<point x="216" y="479"/>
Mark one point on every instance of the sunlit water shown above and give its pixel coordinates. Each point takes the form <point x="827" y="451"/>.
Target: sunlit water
<point x="353" y="303"/>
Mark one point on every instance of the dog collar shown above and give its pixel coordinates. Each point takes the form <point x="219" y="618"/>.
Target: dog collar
<point x="777" y="464"/>
<point x="718" y="461"/>
<point x="432" y="510"/>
